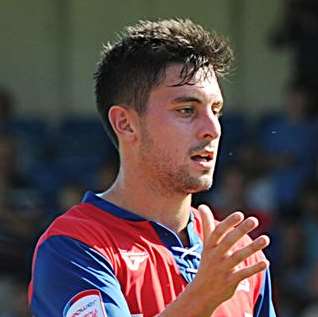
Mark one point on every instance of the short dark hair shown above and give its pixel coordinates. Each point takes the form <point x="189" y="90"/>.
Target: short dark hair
<point x="131" y="67"/>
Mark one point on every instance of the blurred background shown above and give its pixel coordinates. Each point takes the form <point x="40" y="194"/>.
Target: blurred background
<point x="53" y="148"/>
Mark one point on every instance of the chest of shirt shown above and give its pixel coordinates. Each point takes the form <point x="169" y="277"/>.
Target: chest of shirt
<point x="151" y="278"/>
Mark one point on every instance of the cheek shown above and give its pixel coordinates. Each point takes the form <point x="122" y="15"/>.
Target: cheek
<point x="169" y="149"/>
<point x="169" y="138"/>
<point x="176" y="144"/>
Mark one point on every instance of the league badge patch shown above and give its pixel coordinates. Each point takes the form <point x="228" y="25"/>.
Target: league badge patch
<point x="87" y="303"/>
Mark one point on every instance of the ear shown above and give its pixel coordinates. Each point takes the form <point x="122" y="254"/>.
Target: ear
<point x="122" y="122"/>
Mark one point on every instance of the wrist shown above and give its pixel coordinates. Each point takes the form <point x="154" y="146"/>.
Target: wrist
<point x="193" y="302"/>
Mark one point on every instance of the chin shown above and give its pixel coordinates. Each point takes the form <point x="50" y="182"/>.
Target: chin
<point x="200" y="185"/>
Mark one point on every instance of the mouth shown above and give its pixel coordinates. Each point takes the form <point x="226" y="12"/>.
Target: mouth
<point x="204" y="159"/>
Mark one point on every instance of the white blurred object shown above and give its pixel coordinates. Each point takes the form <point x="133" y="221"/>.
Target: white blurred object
<point x="260" y="195"/>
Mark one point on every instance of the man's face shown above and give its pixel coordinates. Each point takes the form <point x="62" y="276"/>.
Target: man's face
<point x="180" y="133"/>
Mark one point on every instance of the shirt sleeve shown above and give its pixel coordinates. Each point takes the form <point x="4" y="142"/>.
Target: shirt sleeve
<point x="72" y="279"/>
<point x="264" y="305"/>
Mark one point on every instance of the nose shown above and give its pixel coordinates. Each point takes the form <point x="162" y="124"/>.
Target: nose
<point x="209" y="127"/>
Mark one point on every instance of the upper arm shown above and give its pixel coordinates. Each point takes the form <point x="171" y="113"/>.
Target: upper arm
<point x="69" y="275"/>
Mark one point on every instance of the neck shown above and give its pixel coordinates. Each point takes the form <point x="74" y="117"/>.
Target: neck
<point x="145" y="199"/>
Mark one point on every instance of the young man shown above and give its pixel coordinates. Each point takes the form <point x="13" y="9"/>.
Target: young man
<point x="140" y="249"/>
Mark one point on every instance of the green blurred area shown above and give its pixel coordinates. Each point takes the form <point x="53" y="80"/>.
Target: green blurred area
<point x="49" y="48"/>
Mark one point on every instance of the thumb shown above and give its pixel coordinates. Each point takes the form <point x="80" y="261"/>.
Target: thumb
<point x="207" y="221"/>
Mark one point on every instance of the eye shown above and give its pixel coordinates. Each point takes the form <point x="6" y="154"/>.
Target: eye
<point x="218" y="111"/>
<point x="187" y="111"/>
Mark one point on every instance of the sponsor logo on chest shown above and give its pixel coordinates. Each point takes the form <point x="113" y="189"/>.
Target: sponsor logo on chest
<point x="133" y="259"/>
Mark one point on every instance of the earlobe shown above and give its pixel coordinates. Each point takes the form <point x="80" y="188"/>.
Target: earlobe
<point x="121" y="122"/>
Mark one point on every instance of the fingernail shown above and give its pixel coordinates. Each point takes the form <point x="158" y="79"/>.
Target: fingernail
<point x="251" y="222"/>
<point x="238" y="216"/>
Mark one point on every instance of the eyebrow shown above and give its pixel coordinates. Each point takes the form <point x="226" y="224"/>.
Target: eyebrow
<point x="183" y="99"/>
<point x="186" y="99"/>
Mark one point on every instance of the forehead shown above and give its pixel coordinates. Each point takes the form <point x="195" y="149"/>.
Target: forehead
<point x="204" y="85"/>
<point x="173" y="74"/>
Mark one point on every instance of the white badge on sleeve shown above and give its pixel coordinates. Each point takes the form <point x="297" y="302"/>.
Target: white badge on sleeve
<point x="87" y="303"/>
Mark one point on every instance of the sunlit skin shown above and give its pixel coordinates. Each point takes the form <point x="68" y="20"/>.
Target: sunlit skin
<point x="157" y="174"/>
<point x="180" y="122"/>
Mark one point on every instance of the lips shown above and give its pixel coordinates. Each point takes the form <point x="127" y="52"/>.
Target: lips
<point x="204" y="156"/>
<point x="203" y="160"/>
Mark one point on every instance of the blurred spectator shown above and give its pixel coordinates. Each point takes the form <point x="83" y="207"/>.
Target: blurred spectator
<point x="107" y="172"/>
<point x="299" y="31"/>
<point x="13" y="301"/>
<point x="20" y="220"/>
<point x="309" y="219"/>
<point x="259" y="188"/>
<point x="296" y="260"/>
<point x="69" y="195"/>
<point x="288" y="146"/>
<point x="312" y="309"/>
<point x="10" y="178"/>
<point x="290" y="267"/>
<point x="292" y="271"/>
<point x="231" y="196"/>
<point x="6" y="108"/>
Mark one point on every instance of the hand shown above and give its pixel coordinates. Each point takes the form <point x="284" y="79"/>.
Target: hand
<point x="219" y="275"/>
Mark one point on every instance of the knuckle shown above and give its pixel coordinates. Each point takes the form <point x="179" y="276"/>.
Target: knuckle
<point x="219" y="230"/>
<point x="225" y="225"/>
<point x="238" y="257"/>
<point x="255" y="246"/>
<point x="232" y="237"/>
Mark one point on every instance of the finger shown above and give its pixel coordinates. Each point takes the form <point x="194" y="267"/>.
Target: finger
<point x="247" y="272"/>
<point x="207" y="221"/>
<point x="224" y="227"/>
<point x="236" y="234"/>
<point x="240" y="255"/>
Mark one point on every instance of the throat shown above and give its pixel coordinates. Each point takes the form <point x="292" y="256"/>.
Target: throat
<point x="184" y="237"/>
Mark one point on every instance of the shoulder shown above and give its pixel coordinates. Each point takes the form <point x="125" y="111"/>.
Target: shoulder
<point x="77" y="222"/>
<point x="86" y="224"/>
<point x="83" y="222"/>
